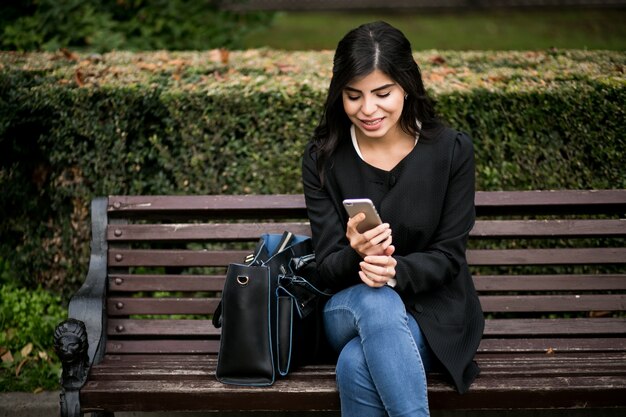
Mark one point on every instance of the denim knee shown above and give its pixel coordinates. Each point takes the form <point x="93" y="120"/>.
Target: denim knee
<point x="351" y="367"/>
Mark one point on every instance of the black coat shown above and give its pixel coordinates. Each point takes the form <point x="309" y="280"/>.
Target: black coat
<point x="428" y="199"/>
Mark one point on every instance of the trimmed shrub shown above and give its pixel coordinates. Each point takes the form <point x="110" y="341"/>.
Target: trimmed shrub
<point x="76" y="126"/>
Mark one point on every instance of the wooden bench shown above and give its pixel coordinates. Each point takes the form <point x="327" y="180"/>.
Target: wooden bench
<point x="553" y="291"/>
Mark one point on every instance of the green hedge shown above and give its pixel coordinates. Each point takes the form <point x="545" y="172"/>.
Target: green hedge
<point x="77" y="126"/>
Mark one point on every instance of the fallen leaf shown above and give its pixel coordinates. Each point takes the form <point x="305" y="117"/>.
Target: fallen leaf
<point x="38" y="390"/>
<point x="43" y="355"/>
<point x="437" y="60"/>
<point x="79" y="78"/>
<point x="287" y="68"/>
<point x="26" y="350"/>
<point x="550" y="351"/>
<point x="20" y="366"/>
<point x="69" y="54"/>
<point x="224" y="55"/>
<point x="147" y="66"/>
<point x="7" y="357"/>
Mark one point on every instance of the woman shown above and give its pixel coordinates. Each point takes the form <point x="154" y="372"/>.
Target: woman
<point x="406" y="302"/>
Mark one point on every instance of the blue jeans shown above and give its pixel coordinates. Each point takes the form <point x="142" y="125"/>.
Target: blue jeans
<point x="383" y="354"/>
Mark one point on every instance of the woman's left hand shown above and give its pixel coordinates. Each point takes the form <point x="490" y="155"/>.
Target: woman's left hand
<point x="376" y="271"/>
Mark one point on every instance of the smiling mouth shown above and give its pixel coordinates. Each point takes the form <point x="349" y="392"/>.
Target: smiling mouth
<point x="372" y="122"/>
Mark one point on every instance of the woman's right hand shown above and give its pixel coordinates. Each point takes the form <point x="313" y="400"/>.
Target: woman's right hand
<point x="373" y="242"/>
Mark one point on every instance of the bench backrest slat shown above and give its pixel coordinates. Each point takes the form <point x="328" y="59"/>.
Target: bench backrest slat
<point x="245" y="231"/>
<point x="574" y="282"/>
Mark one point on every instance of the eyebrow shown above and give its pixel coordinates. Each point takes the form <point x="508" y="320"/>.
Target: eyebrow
<point x="382" y="87"/>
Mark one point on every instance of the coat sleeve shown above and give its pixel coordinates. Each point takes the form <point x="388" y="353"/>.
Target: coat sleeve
<point x="337" y="262"/>
<point x="442" y="259"/>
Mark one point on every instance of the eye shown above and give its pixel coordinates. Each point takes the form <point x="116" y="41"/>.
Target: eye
<point x="384" y="95"/>
<point x="352" y="98"/>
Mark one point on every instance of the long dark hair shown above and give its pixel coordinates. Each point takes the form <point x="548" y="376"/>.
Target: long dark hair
<point x="372" y="46"/>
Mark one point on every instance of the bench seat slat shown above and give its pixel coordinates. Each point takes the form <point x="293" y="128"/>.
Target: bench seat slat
<point x="507" y="367"/>
<point x="320" y="394"/>
<point x="545" y="303"/>
<point x="507" y="345"/>
<point x="582" y="282"/>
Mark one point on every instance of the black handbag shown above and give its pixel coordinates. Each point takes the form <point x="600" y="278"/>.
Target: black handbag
<point x="265" y="304"/>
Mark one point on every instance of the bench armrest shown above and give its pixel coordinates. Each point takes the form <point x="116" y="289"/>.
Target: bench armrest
<point x="80" y="340"/>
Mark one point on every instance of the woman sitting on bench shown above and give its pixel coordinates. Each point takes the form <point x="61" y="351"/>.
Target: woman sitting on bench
<point x="406" y="302"/>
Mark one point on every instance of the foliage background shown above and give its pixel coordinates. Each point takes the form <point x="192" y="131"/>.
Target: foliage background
<point x="105" y="25"/>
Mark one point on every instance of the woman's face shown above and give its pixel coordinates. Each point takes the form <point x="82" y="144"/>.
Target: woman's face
<point x="374" y="104"/>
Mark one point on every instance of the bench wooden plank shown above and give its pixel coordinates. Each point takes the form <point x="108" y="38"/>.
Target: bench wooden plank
<point x="544" y="303"/>
<point x="163" y="346"/>
<point x="493" y="328"/>
<point x="483" y="257"/>
<point x="487" y="203"/>
<point x="320" y="394"/>
<point x="557" y="345"/>
<point x="581" y="282"/>
<point x="122" y="306"/>
<point x="574" y="256"/>
<point x="483" y="283"/>
<point x="202" y="232"/>
<point x="519" y="229"/>
<point x="152" y="327"/>
<point x="547" y="392"/>
<point x="552" y="327"/>
<point x="491" y="203"/>
<point x="163" y="282"/>
<point x="164" y="257"/>
<point x="507" y="345"/>
<point x="251" y="231"/>
<point x="213" y="206"/>
<point x="508" y="366"/>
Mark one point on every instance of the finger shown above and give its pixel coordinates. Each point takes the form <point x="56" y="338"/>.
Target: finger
<point x="374" y="272"/>
<point x="368" y="281"/>
<point x="377" y="240"/>
<point x="377" y="260"/>
<point x="376" y="231"/>
<point x="354" y="221"/>
<point x="387" y="243"/>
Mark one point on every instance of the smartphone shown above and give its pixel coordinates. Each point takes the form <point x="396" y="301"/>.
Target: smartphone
<point x="355" y="206"/>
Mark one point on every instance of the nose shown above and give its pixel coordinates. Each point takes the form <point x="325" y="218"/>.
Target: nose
<point x="369" y="106"/>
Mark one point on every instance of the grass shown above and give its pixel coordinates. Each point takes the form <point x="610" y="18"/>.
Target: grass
<point x="487" y="30"/>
